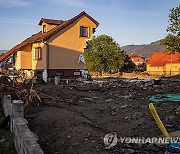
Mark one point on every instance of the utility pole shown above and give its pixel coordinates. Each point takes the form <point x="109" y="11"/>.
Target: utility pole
<point x="171" y="63"/>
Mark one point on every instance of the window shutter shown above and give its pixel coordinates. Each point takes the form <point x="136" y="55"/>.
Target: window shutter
<point x="40" y="53"/>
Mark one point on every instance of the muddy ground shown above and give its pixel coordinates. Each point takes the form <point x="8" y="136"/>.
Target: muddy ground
<point x="82" y="113"/>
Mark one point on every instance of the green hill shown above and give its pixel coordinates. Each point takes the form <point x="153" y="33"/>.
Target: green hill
<point x="144" y="50"/>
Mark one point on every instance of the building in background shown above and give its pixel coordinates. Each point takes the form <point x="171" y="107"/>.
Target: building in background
<point x="137" y="59"/>
<point x="163" y="63"/>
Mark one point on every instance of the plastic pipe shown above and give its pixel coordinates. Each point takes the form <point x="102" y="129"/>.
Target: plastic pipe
<point x="158" y="120"/>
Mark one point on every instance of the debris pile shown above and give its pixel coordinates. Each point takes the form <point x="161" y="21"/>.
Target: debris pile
<point x="24" y="91"/>
<point x="74" y="116"/>
<point x="101" y="106"/>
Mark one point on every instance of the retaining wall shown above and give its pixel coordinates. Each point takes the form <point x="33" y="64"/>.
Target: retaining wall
<point x="25" y="141"/>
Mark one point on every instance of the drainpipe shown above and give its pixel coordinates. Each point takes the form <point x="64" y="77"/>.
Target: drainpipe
<point x="171" y="64"/>
<point x="45" y="72"/>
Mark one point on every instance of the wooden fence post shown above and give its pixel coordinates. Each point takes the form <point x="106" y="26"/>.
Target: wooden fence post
<point x="7" y="104"/>
<point x="18" y="109"/>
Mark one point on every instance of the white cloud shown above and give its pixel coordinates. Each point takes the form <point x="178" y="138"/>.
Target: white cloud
<point x="76" y="3"/>
<point x="14" y="3"/>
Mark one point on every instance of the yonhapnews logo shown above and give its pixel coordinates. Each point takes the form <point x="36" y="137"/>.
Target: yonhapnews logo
<point x="110" y="140"/>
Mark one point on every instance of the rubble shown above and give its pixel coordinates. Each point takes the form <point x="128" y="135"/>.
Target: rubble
<point x="124" y="106"/>
<point x="84" y="111"/>
<point x="2" y="140"/>
<point x="129" y="96"/>
<point x="109" y="100"/>
<point x="24" y="91"/>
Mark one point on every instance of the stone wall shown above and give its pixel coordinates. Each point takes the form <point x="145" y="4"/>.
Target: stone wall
<point x="25" y="141"/>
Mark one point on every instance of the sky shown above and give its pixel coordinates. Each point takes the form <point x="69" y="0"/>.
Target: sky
<point x="127" y="21"/>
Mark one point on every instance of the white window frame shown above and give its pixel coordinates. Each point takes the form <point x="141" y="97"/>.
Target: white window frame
<point x="39" y="54"/>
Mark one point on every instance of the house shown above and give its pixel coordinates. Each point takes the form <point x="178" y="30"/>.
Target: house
<point x="136" y="59"/>
<point x="162" y="63"/>
<point x="57" y="49"/>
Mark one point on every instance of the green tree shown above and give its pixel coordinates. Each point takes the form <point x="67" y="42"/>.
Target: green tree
<point x="103" y="54"/>
<point x="174" y="20"/>
<point x="172" y="40"/>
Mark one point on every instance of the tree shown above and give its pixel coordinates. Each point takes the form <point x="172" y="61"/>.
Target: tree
<point x="129" y="66"/>
<point x="174" y="19"/>
<point x="172" y="40"/>
<point x="103" y="54"/>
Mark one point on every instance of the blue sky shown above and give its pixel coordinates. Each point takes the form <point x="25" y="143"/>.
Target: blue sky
<point x="127" y="21"/>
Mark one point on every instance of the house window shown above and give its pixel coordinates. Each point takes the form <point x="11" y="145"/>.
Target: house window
<point x="83" y="31"/>
<point x="77" y="73"/>
<point x="38" y="53"/>
<point x="59" y="73"/>
<point x="44" y="28"/>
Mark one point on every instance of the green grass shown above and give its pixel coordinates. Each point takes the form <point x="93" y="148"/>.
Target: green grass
<point x="7" y="147"/>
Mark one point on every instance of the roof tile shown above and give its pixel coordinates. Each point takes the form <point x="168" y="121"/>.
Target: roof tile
<point x="50" y="21"/>
<point x="161" y="58"/>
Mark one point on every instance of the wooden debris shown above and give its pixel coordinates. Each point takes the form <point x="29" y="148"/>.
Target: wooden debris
<point x="24" y="91"/>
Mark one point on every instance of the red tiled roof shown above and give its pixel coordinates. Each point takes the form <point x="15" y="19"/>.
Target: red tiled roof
<point x="50" y="21"/>
<point x="44" y="36"/>
<point x="19" y="46"/>
<point x="134" y="55"/>
<point x="68" y="22"/>
<point x="137" y="59"/>
<point x="161" y="58"/>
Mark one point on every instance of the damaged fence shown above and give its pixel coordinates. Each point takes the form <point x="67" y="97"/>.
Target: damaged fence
<point x="25" y="141"/>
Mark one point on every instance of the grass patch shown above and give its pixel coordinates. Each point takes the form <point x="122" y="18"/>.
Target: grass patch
<point x="6" y="139"/>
